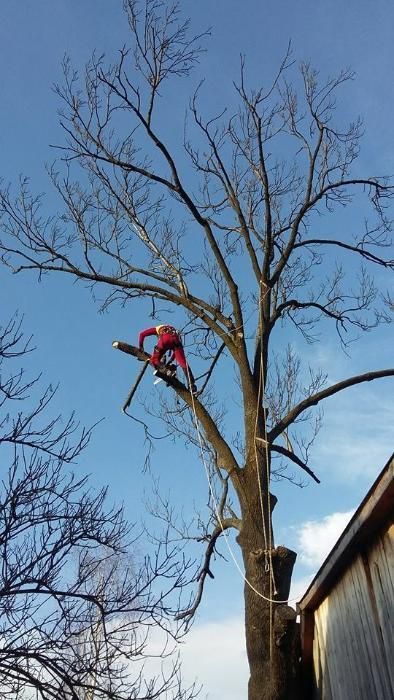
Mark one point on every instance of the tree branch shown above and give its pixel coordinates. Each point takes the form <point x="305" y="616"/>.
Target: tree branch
<point x="380" y="190"/>
<point x="205" y="569"/>
<point x="352" y="248"/>
<point x="324" y="394"/>
<point x="293" y="457"/>
<point x="208" y="374"/>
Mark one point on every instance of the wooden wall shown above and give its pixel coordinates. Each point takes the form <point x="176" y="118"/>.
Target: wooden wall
<point x="353" y="645"/>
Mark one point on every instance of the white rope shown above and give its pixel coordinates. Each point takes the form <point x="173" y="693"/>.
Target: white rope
<point x="261" y="400"/>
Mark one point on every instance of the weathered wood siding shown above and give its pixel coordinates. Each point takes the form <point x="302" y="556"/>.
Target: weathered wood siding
<point x="353" y="646"/>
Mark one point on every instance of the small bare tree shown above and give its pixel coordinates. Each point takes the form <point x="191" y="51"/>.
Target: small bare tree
<point x="239" y="240"/>
<point x="71" y="627"/>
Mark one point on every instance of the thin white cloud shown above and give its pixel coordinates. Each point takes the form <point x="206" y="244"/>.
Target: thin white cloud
<point x="317" y="537"/>
<point x="214" y="655"/>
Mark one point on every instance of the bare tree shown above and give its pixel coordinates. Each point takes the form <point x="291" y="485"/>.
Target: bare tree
<point x="235" y="238"/>
<point x="71" y="627"/>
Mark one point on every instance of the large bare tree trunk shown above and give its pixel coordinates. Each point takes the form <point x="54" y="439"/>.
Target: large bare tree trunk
<point x="272" y="633"/>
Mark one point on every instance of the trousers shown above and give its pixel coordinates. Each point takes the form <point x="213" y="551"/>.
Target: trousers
<point x="168" y="342"/>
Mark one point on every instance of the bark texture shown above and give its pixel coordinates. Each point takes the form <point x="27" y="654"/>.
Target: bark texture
<point x="272" y="633"/>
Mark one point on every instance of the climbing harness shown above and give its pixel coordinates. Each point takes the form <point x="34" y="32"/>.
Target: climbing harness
<point x="167" y="330"/>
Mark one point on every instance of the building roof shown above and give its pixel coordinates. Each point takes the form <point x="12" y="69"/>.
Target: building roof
<point x="375" y="510"/>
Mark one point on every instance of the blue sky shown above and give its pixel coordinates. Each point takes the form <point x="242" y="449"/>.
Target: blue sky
<point x="74" y="341"/>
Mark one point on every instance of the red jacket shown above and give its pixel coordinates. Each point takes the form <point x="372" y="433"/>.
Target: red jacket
<point x="156" y="330"/>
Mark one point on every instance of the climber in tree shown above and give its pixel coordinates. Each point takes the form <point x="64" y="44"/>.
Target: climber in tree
<point x="168" y="341"/>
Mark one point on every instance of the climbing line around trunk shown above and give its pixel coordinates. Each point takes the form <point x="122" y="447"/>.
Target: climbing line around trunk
<point x="216" y="507"/>
<point x="267" y="545"/>
<point x="261" y="400"/>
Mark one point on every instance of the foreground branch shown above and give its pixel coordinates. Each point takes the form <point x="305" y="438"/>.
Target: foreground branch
<point x="206" y="567"/>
